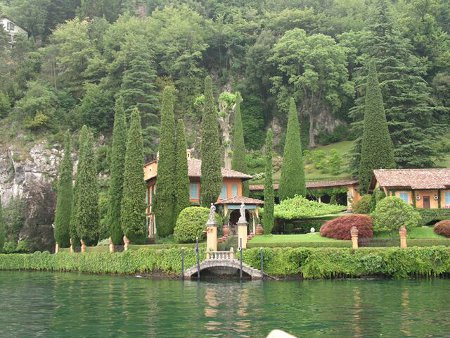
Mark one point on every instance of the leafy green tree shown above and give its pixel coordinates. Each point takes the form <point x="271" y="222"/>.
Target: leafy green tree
<point x="313" y="69"/>
<point x="377" y="150"/>
<point x="64" y="197"/>
<point x="292" y="181"/>
<point x="181" y="171"/>
<point x="238" y="161"/>
<point x="119" y="146"/>
<point x="86" y="211"/>
<point x="2" y="228"/>
<point x="211" y="178"/>
<point x="133" y="200"/>
<point x="165" y="193"/>
<point x="269" y="195"/>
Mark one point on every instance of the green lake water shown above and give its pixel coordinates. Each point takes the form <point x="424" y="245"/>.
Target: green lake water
<point x="38" y="304"/>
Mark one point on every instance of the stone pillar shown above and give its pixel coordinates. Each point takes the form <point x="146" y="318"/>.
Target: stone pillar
<point x="354" y="234"/>
<point x="111" y="245"/>
<point x="71" y="246"/>
<point x="56" y="248"/>
<point x="83" y="246"/>
<point x="126" y="242"/>
<point x="402" y="233"/>
<point x="211" y="230"/>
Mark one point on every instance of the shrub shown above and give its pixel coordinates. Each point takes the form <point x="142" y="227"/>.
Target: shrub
<point x="363" y="205"/>
<point x="443" y="228"/>
<point x="391" y="213"/>
<point x="339" y="228"/>
<point x="299" y="207"/>
<point x="431" y="216"/>
<point x="190" y="224"/>
<point x="9" y="247"/>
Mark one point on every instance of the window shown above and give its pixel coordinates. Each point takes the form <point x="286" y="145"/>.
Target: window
<point x="193" y="191"/>
<point x="234" y="190"/>
<point x="223" y="192"/>
<point x="10" y="26"/>
<point x="404" y="196"/>
<point x="447" y="198"/>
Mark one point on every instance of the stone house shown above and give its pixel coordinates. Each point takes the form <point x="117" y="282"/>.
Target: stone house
<point x="11" y="28"/>
<point x="229" y="200"/>
<point x="422" y="188"/>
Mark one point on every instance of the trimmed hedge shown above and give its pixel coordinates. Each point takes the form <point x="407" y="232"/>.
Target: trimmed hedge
<point x="443" y="228"/>
<point x="433" y="215"/>
<point x="301" y="262"/>
<point x="331" y="244"/>
<point x="339" y="228"/>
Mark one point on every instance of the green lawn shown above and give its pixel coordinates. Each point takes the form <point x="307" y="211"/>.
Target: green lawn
<point x="315" y="237"/>
<point x="424" y="232"/>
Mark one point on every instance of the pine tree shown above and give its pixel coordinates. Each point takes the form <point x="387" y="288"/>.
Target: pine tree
<point x="2" y="228"/>
<point x="65" y="198"/>
<point x="181" y="171"/>
<point x="238" y="161"/>
<point x="139" y="91"/>
<point x="211" y="179"/>
<point x="269" y="195"/>
<point x="377" y="150"/>
<point x="87" y="217"/>
<point x="133" y="200"/>
<point x="165" y="192"/>
<point x="292" y="181"/>
<point x="84" y="134"/>
<point x="412" y="114"/>
<point x="119" y="146"/>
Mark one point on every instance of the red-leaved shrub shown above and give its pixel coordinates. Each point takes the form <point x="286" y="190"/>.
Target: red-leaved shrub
<point x="339" y="228"/>
<point x="443" y="228"/>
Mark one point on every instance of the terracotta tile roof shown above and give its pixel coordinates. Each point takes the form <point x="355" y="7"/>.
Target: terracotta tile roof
<point x="311" y="185"/>
<point x="240" y="200"/>
<point x="194" y="170"/>
<point x="412" y="178"/>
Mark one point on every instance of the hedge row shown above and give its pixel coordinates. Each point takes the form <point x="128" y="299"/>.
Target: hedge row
<point x="327" y="244"/>
<point x="433" y="215"/>
<point x="300" y="262"/>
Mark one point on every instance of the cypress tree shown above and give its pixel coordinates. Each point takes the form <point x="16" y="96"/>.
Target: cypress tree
<point x="84" y="133"/>
<point x="377" y="150"/>
<point x="2" y="228"/>
<point x="133" y="199"/>
<point x="181" y="171"/>
<point x="87" y="217"/>
<point x="238" y="162"/>
<point x="119" y="146"/>
<point x="269" y="196"/>
<point x="292" y="181"/>
<point x="64" y="199"/>
<point x="211" y="179"/>
<point x="165" y="192"/>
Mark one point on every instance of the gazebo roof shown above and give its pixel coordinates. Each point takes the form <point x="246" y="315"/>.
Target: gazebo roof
<point x="240" y="200"/>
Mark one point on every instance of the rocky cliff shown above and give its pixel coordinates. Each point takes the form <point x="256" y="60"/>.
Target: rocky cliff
<point x="30" y="175"/>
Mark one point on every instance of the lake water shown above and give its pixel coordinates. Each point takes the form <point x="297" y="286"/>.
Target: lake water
<point x="38" y="304"/>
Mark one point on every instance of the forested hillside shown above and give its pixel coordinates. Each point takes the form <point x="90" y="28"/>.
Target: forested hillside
<point x="81" y="55"/>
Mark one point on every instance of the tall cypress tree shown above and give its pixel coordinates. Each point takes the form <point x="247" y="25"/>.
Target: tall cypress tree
<point x="2" y="228"/>
<point x="65" y="197"/>
<point x="133" y="200"/>
<point x="377" y="150"/>
<point x="292" y="181"/>
<point x="119" y="146"/>
<point x="269" y="196"/>
<point x="181" y="171"/>
<point x="87" y="217"/>
<point x="211" y="178"/>
<point x="165" y="192"/>
<point x="84" y="134"/>
<point x="238" y="161"/>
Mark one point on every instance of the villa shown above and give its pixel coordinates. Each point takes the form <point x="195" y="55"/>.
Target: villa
<point x="11" y="28"/>
<point x="228" y="202"/>
<point x="422" y="188"/>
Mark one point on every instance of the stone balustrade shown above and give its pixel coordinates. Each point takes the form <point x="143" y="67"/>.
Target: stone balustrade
<point x="220" y="255"/>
